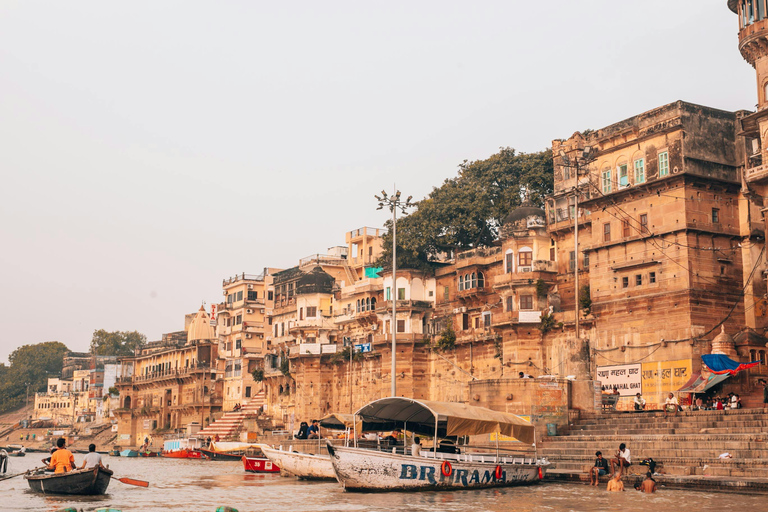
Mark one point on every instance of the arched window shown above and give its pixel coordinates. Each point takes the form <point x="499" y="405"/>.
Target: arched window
<point x="358" y="305"/>
<point x="474" y="280"/>
<point x="373" y="303"/>
<point x="509" y="262"/>
<point x="480" y="280"/>
<point x="761" y="355"/>
<point x="368" y="304"/>
<point x="752" y="355"/>
<point x="467" y="282"/>
<point x="127" y="403"/>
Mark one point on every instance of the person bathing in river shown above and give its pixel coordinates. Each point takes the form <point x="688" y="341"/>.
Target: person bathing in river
<point x="648" y="485"/>
<point x="615" y="484"/>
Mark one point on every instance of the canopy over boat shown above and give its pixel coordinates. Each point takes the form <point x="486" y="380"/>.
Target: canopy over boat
<point x="338" y="421"/>
<point x="453" y="419"/>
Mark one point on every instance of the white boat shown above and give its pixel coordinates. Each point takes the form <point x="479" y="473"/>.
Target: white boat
<point x="309" y="466"/>
<point x="359" y="469"/>
<point x="306" y="466"/>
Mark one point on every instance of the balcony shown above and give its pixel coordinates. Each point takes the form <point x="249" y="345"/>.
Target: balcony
<point x="312" y="349"/>
<point x="756" y="174"/>
<point x="323" y="259"/>
<point x="243" y="277"/>
<point x="515" y="317"/>
<point x="479" y="256"/>
<point x="403" y="305"/>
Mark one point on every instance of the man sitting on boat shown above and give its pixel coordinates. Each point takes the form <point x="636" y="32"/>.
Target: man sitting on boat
<point x="62" y="459"/>
<point x="92" y="459"/>
<point x="394" y="437"/>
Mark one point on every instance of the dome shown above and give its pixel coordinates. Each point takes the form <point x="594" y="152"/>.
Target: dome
<point x="723" y="343"/>
<point x="315" y="281"/>
<point x="200" y="328"/>
<point x="522" y="213"/>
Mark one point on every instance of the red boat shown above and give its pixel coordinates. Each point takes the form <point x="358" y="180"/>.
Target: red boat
<point x="259" y="465"/>
<point x="184" y="453"/>
<point x="148" y="454"/>
<point x="183" y="448"/>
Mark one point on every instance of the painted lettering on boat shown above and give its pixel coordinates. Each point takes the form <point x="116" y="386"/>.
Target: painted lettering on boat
<point x="460" y="476"/>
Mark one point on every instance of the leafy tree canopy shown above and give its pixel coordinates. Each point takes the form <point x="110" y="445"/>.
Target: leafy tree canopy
<point x="29" y="365"/>
<point x="467" y="211"/>
<point x="117" y="343"/>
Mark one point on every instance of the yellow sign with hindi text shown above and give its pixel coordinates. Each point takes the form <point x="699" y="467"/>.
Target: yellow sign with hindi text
<point x="665" y="376"/>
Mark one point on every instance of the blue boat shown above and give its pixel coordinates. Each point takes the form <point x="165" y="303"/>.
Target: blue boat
<point x="129" y="453"/>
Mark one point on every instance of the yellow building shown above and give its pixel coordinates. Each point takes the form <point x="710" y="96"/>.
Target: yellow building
<point x="242" y="333"/>
<point x="170" y="384"/>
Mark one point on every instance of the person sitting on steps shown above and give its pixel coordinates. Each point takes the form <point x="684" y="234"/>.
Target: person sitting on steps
<point x="599" y="469"/>
<point x="621" y="459"/>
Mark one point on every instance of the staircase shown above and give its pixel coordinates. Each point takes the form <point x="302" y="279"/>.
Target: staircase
<point x="687" y="445"/>
<point x="228" y="426"/>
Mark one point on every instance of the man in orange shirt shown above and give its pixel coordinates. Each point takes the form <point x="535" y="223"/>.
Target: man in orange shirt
<point x="62" y="459"/>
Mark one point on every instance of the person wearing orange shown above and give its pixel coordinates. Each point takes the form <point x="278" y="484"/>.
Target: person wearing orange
<point x="62" y="459"/>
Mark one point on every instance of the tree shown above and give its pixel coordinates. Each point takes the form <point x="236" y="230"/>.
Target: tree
<point x="30" y="365"/>
<point x="117" y="343"/>
<point x="467" y="211"/>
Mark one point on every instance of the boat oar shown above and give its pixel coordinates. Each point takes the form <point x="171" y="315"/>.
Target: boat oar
<point x="6" y="477"/>
<point x="133" y="481"/>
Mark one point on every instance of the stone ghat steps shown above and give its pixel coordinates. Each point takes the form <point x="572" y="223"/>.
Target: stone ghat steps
<point x="627" y="418"/>
<point x="229" y="424"/>
<point x="750" y="468"/>
<point x="703" y="482"/>
<point x="742" y="427"/>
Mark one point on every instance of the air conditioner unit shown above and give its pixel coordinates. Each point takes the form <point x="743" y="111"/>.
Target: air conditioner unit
<point x="525" y="269"/>
<point x="247" y="336"/>
<point x="250" y="287"/>
<point x="755" y="146"/>
<point x="261" y="311"/>
<point x="249" y="311"/>
<point x="374" y="327"/>
<point x="463" y="309"/>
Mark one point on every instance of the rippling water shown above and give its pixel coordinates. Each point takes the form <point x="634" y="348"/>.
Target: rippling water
<point x="196" y="486"/>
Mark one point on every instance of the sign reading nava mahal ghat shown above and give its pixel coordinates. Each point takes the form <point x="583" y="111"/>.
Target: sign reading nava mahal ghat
<point x="655" y="378"/>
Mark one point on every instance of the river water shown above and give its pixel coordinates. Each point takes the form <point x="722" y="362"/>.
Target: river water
<point x="197" y="486"/>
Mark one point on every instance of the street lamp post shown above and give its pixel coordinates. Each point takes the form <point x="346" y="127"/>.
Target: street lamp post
<point x="394" y="203"/>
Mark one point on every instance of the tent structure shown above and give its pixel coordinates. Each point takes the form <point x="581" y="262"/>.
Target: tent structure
<point x="699" y="383"/>
<point x="721" y="364"/>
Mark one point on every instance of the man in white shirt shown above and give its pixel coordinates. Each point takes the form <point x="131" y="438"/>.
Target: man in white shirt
<point x="670" y="404"/>
<point x="621" y="459"/>
<point x="92" y="459"/>
<point x="416" y="447"/>
<point x="639" y="402"/>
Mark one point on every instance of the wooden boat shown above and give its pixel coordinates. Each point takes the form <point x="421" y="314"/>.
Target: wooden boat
<point x="259" y="465"/>
<point x="115" y="451"/>
<point x="18" y="453"/>
<point x="79" y="481"/>
<point x="309" y="466"/>
<point x="183" y="448"/>
<point x="431" y="469"/>
<point x="129" y="453"/>
<point x="148" y="453"/>
<point x="228" y="456"/>
<point x="306" y="466"/>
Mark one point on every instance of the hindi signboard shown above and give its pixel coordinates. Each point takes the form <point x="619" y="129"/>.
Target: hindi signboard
<point x="624" y="377"/>
<point x="666" y="376"/>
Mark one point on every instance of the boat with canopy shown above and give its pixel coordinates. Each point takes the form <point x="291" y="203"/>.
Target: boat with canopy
<point x="363" y="469"/>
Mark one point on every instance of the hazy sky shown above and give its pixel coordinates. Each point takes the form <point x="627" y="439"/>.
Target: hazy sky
<point x="150" y="149"/>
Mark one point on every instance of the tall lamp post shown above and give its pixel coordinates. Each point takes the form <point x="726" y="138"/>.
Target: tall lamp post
<point x="580" y="163"/>
<point x="394" y="203"/>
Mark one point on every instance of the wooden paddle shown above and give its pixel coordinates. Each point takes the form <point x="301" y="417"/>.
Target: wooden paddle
<point x="6" y="477"/>
<point x="133" y="481"/>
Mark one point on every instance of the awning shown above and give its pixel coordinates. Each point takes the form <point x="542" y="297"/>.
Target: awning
<point x="338" y="421"/>
<point x="699" y="383"/>
<point x="453" y="419"/>
<point x="721" y="364"/>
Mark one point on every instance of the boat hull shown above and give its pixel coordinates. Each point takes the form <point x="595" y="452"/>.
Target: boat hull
<point x="372" y="471"/>
<point x="79" y="482"/>
<point x="129" y="453"/>
<point x="259" y="465"/>
<point x="183" y="454"/>
<point x="149" y="454"/>
<point x="214" y="455"/>
<point x="306" y="466"/>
